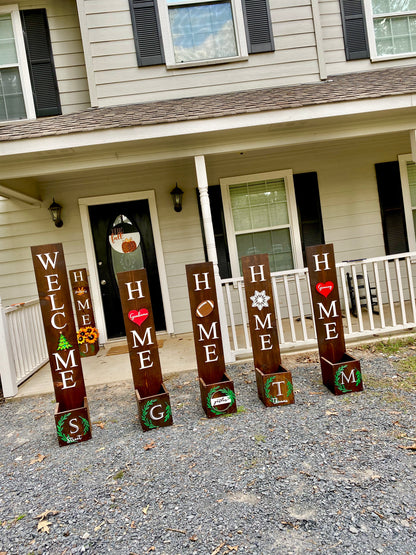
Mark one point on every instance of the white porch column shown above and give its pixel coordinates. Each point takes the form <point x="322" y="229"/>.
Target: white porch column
<point x="413" y="143"/>
<point x="202" y="179"/>
<point x="7" y="368"/>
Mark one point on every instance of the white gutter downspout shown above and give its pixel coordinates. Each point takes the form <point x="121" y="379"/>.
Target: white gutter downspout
<point x="202" y="180"/>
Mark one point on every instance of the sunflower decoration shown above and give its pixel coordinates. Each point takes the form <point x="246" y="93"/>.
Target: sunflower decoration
<point x="87" y="334"/>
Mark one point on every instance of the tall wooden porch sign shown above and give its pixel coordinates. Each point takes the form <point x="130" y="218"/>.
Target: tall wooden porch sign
<point x="274" y="383"/>
<point x="151" y="395"/>
<point x="340" y="372"/>
<point x="71" y="410"/>
<point x="217" y="390"/>
<point x="87" y="333"/>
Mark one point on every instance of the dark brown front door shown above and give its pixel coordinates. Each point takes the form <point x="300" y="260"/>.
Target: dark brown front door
<point x="123" y="241"/>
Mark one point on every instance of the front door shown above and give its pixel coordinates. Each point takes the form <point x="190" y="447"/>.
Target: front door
<point x="123" y="240"/>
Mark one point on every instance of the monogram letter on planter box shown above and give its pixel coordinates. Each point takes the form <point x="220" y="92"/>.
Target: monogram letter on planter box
<point x="71" y="409"/>
<point x="274" y="383"/>
<point x="151" y="396"/>
<point x="217" y="390"/>
<point x="340" y="372"/>
<point x="87" y="332"/>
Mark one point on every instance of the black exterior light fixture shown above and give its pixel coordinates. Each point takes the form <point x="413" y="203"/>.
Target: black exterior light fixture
<point x="177" y="195"/>
<point x="55" y="210"/>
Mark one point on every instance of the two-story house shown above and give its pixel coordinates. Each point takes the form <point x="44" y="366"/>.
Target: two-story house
<point x="285" y="123"/>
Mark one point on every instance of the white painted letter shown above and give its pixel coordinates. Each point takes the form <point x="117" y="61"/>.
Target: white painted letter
<point x="144" y="356"/>
<point x="67" y="379"/>
<point x="52" y="282"/>
<point x="210" y="351"/>
<point x="328" y="314"/>
<point x="151" y="413"/>
<point x="203" y="281"/>
<point x="266" y="340"/>
<point x="213" y="329"/>
<point x="53" y="321"/>
<point x="146" y="338"/>
<point x="267" y="321"/>
<point x="261" y="273"/>
<point x="48" y="259"/>
<point x="325" y="261"/>
<point x="131" y="290"/>
<point x="331" y="327"/>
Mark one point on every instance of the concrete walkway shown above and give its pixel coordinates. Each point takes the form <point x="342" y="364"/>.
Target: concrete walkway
<point x="112" y="364"/>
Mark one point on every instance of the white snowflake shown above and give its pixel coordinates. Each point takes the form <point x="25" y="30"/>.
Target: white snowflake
<point x="260" y="299"/>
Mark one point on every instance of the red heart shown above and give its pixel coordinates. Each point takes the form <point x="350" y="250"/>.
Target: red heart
<point x="325" y="288"/>
<point x="138" y="317"/>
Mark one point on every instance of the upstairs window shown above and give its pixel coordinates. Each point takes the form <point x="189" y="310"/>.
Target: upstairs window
<point x="201" y="31"/>
<point x="197" y="32"/>
<point x="392" y="27"/>
<point x="15" y="103"/>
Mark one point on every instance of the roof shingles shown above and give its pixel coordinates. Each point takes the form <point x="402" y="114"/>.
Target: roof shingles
<point x="346" y="87"/>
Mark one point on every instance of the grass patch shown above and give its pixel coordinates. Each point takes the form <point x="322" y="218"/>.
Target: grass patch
<point x="392" y="346"/>
<point x="407" y="373"/>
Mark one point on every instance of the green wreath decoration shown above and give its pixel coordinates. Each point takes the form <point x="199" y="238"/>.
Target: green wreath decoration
<point x="341" y="387"/>
<point x="268" y="384"/>
<point x="60" y="425"/>
<point x="168" y="413"/>
<point x="225" y="391"/>
<point x="146" y="421"/>
<point x="358" y="376"/>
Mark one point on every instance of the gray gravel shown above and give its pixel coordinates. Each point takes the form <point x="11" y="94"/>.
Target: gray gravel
<point x="326" y="475"/>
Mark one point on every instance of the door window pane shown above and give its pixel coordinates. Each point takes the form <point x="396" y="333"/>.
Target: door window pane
<point x="126" y="252"/>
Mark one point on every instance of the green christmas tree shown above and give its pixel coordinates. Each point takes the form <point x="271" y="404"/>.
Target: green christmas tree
<point x="63" y="343"/>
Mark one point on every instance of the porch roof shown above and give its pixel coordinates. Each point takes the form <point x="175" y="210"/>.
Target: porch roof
<point x="339" y="88"/>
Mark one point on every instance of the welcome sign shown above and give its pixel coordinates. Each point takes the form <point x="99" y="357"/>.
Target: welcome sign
<point x="217" y="390"/>
<point x="71" y="410"/>
<point x="274" y="383"/>
<point x="151" y="396"/>
<point x="340" y="372"/>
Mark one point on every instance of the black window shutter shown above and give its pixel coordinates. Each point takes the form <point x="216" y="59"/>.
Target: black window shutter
<point x="40" y="60"/>
<point x="354" y="27"/>
<point x="221" y="244"/>
<point x="309" y="210"/>
<point x="258" y="26"/>
<point x="391" y="207"/>
<point x="147" y="35"/>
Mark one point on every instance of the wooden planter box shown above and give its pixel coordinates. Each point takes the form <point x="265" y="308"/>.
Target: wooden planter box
<point x="218" y="398"/>
<point x="342" y="377"/>
<point x="73" y="426"/>
<point x="154" y="411"/>
<point x="275" y="389"/>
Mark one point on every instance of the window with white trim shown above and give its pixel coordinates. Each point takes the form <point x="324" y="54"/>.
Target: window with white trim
<point x="408" y="182"/>
<point x="261" y="217"/>
<point x="392" y="27"/>
<point x="15" y="98"/>
<point x="197" y="31"/>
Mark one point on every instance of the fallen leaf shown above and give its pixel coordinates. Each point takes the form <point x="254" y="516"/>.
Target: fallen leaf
<point x="411" y="447"/>
<point x="39" y="458"/>
<point x="218" y="549"/>
<point x="150" y="445"/>
<point x="43" y="526"/>
<point x="153" y="548"/>
<point x="100" y="424"/>
<point x="99" y="526"/>
<point x="331" y="413"/>
<point x="360" y="430"/>
<point x="43" y="515"/>
<point x="145" y="509"/>
<point x="192" y="539"/>
<point x="231" y="548"/>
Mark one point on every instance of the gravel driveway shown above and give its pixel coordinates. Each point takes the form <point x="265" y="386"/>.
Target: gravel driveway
<point x="333" y="475"/>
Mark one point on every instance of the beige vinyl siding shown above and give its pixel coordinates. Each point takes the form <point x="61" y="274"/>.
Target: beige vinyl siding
<point x="348" y="191"/>
<point x="334" y="44"/>
<point x="120" y="81"/>
<point x="67" y="52"/>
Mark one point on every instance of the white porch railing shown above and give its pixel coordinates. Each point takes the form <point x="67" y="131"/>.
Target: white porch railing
<point x="22" y="344"/>
<point x="377" y="297"/>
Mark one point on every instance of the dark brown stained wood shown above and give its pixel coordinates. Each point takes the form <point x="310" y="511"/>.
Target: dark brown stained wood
<point x="261" y="313"/>
<point x="205" y="322"/>
<point x="58" y="321"/>
<point x="154" y="411"/>
<point x="325" y="299"/>
<point x="140" y="332"/>
<point x="83" y="308"/>
<point x="73" y="426"/>
<point x="275" y="389"/>
<point x="218" y="398"/>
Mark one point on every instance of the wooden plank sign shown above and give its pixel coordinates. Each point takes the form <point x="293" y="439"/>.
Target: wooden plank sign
<point x="71" y="411"/>
<point x="217" y="390"/>
<point x="274" y="383"/>
<point x="87" y="332"/>
<point x="151" y="396"/>
<point x="340" y="372"/>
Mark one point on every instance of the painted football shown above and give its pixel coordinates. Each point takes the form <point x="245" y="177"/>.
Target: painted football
<point x="204" y="309"/>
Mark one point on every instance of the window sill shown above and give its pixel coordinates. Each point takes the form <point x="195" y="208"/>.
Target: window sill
<point x="201" y="63"/>
<point x="376" y="59"/>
